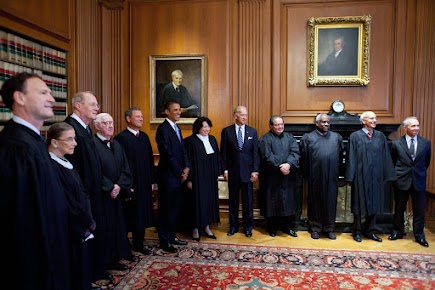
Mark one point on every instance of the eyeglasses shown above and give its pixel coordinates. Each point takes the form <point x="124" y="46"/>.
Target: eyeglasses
<point x="107" y="123"/>
<point x="68" y="140"/>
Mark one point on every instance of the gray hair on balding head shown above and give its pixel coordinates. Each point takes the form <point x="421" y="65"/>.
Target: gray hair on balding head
<point x="320" y="116"/>
<point x="364" y="115"/>
<point x="101" y="116"/>
<point x="406" y="121"/>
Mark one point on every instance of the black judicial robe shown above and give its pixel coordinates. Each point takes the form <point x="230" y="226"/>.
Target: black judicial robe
<point x="320" y="161"/>
<point x="204" y="172"/>
<point x="87" y="163"/>
<point x="139" y="211"/>
<point x="115" y="170"/>
<point x="80" y="221"/>
<point x="369" y="167"/>
<point x="33" y="214"/>
<point x="278" y="191"/>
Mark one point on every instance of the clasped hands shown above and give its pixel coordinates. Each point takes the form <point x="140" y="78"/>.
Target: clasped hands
<point x="285" y="168"/>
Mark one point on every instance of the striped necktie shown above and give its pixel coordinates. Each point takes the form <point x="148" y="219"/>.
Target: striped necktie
<point x="240" y="138"/>
<point x="412" y="149"/>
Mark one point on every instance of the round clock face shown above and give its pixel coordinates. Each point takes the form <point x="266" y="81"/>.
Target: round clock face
<point x="338" y="106"/>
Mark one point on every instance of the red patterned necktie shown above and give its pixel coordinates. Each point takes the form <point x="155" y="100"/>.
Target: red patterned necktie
<point x="369" y="133"/>
<point x="137" y="134"/>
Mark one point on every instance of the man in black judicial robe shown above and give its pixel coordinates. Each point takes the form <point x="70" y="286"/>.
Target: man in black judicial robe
<point x="279" y="177"/>
<point x="368" y="169"/>
<point x="137" y="147"/>
<point x="321" y="152"/>
<point x="34" y="208"/>
<point x="87" y="163"/>
<point x="116" y="186"/>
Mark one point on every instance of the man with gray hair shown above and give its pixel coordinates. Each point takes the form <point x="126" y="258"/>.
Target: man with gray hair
<point x="87" y="163"/>
<point x="368" y="167"/>
<point x="174" y="91"/>
<point x="321" y="152"/>
<point x="411" y="157"/>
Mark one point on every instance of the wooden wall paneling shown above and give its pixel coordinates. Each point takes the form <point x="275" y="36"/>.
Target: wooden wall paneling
<point x="88" y="25"/>
<point x="49" y="18"/>
<point x="181" y="27"/>
<point x="113" y="100"/>
<point x="254" y="59"/>
<point x="300" y="103"/>
<point x="423" y="101"/>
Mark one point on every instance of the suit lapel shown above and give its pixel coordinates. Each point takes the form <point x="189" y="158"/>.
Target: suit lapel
<point x="420" y="145"/>
<point x="405" y="146"/>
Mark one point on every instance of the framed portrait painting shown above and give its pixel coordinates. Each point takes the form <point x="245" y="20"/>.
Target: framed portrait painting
<point x="339" y="51"/>
<point x="179" y="78"/>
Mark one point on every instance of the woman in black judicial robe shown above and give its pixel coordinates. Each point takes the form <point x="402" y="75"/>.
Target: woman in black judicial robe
<point x="61" y="141"/>
<point x="203" y="152"/>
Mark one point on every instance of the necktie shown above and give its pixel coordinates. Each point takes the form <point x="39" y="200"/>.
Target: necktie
<point x="89" y="130"/>
<point x="412" y="149"/>
<point x="177" y="131"/>
<point x="369" y="133"/>
<point x="240" y="138"/>
<point x="137" y="134"/>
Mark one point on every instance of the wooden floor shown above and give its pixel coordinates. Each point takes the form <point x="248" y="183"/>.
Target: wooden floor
<point x="304" y="240"/>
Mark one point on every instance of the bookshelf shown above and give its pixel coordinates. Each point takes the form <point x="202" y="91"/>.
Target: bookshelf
<point x="19" y="53"/>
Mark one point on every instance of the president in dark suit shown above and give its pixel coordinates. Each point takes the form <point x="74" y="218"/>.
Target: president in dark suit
<point x="411" y="156"/>
<point x="240" y="161"/>
<point x="172" y="171"/>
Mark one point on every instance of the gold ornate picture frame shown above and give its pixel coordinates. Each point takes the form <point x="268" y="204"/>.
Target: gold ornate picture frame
<point x="339" y="51"/>
<point x="191" y="93"/>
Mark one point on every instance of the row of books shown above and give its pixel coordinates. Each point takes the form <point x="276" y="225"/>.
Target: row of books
<point x="60" y="110"/>
<point x="19" y="50"/>
<point x="57" y="85"/>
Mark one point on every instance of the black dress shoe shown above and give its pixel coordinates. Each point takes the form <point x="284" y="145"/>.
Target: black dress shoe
<point x="118" y="266"/>
<point x="195" y="239"/>
<point x="178" y="242"/>
<point x="212" y="236"/>
<point x="272" y="233"/>
<point x="315" y="235"/>
<point x="168" y="248"/>
<point x="248" y="234"/>
<point x="422" y="242"/>
<point x="395" y="236"/>
<point x="143" y="251"/>
<point x="374" y="237"/>
<point x="232" y="231"/>
<point x="357" y="237"/>
<point x="291" y="233"/>
<point x="331" y="235"/>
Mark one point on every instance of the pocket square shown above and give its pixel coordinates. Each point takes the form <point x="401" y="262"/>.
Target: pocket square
<point x="249" y="138"/>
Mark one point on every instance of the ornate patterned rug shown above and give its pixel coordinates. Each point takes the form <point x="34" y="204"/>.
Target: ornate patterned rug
<point x="229" y="266"/>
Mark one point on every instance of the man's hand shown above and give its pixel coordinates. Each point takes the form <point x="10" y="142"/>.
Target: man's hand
<point x="285" y="168"/>
<point x="185" y="174"/>
<point x="254" y="176"/>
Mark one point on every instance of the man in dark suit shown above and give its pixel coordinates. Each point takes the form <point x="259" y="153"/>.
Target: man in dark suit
<point x="240" y="161"/>
<point x="172" y="171"/>
<point x="411" y="157"/>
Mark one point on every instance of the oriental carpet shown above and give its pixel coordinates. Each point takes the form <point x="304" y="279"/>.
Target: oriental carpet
<point x="229" y="266"/>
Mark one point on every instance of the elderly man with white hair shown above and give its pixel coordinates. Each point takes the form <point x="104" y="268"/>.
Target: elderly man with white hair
<point x="368" y="167"/>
